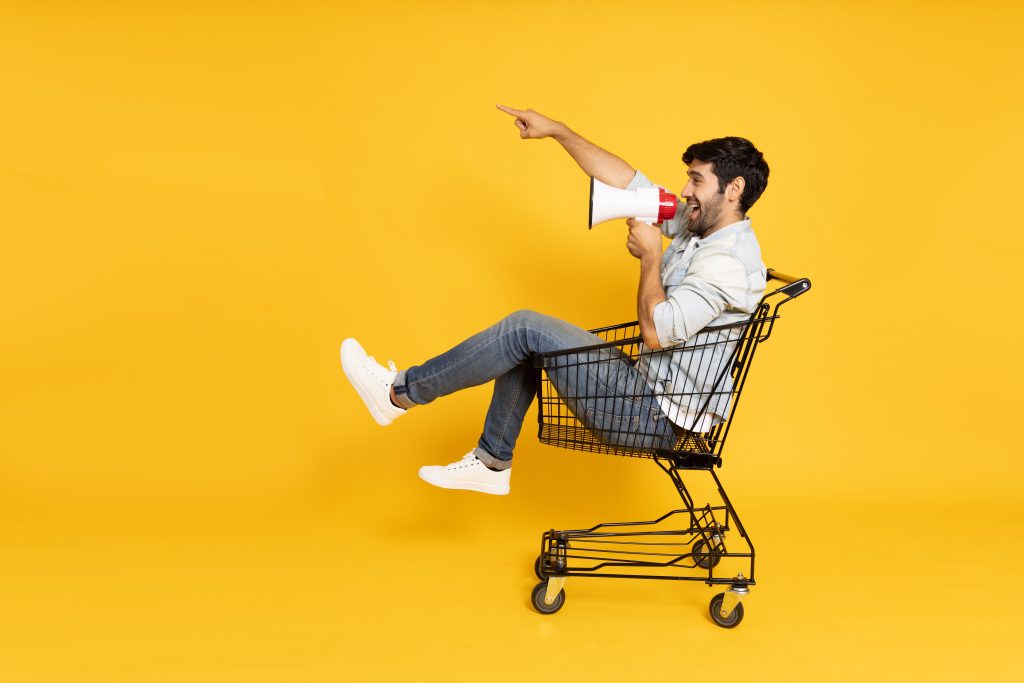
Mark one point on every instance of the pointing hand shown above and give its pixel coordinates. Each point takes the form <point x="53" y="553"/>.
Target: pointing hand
<point x="531" y="124"/>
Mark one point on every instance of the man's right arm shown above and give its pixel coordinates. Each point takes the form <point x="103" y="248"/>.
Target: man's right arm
<point x="595" y="162"/>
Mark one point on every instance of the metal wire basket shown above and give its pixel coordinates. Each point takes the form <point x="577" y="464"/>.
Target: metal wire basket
<point x="621" y="397"/>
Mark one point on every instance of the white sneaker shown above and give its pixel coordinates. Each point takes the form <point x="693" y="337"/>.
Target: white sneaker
<point x="468" y="474"/>
<point x="372" y="381"/>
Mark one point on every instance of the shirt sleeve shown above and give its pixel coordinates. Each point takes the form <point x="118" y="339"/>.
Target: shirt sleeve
<point x="669" y="228"/>
<point x="713" y="283"/>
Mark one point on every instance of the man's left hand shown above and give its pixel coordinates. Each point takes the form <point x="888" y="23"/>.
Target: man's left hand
<point x="644" y="240"/>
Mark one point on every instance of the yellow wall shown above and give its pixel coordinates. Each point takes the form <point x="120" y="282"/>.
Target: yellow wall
<point x="197" y="204"/>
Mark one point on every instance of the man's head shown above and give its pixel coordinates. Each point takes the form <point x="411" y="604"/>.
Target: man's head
<point x="727" y="175"/>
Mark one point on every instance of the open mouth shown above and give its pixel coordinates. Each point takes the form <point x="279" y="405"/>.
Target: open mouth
<point x="694" y="209"/>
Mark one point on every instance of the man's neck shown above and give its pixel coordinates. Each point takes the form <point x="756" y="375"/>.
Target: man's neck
<point x="723" y="224"/>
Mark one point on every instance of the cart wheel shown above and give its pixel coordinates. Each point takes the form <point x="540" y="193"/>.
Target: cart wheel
<point x="537" y="598"/>
<point x="704" y="559"/>
<point x="716" y="612"/>
<point x="536" y="567"/>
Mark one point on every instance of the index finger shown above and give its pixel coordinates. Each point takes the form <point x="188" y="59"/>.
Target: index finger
<point x="510" y="110"/>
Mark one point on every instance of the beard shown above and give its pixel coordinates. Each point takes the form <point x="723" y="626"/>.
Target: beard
<point x="707" y="216"/>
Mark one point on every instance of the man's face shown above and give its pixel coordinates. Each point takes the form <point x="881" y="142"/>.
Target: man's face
<point x="703" y="201"/>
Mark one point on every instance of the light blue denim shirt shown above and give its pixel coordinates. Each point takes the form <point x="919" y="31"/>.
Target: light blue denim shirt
<point x="715" y="280"/>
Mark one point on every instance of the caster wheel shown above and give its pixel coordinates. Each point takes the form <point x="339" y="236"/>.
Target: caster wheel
<point x="537" y="598"/>
<point x="704" y="559"/>
<point x="716" y="612"/>
<point x="536" y="568"/>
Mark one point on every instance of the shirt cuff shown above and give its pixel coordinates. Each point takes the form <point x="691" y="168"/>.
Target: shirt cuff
<point x="675" y="322"/>
<point x="664" y="322"/>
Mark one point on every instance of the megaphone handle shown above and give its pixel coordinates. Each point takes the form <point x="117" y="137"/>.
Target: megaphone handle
<point x="652" y="221"/>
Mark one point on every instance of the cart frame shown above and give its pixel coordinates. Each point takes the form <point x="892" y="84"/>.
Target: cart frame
<point x="685" y="544"/>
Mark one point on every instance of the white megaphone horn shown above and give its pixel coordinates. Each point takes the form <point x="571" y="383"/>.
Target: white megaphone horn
<point x="647" y="204"/>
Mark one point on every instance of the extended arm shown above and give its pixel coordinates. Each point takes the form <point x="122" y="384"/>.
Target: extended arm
<point x="595" y="162"/>
<point x="644" y="240"/>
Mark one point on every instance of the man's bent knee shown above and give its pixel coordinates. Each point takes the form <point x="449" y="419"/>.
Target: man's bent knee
<point x="526" y="319"/>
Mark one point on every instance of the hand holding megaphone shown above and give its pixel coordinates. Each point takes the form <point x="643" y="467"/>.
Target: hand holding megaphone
<point x="647" y="204"/>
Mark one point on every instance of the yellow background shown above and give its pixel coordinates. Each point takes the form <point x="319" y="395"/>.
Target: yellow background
<point x="198" y="203"/>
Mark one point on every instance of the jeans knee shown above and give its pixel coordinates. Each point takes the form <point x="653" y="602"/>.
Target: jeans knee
<point x="525" y="319"/>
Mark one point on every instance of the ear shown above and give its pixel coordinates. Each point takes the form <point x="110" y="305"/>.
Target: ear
<point x="734" y="190"/>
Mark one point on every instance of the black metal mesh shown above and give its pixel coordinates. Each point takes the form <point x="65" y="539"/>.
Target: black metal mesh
<point x="620" y="397"/>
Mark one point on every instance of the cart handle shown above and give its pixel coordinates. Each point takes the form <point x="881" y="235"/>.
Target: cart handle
<point x="795" y="286"/>
<point x="776" y="275"/>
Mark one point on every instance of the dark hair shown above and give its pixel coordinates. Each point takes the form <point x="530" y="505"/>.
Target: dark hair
<point x="731" y="158"/>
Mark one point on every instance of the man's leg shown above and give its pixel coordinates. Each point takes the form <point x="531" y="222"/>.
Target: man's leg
<point x="498" y="353"/>
<point x="611" y="389"/>
<point x="487" y="355"/>
<point x="513" y="394"/>
<point x="611" y="398"/>
<point x="602" y="388"/>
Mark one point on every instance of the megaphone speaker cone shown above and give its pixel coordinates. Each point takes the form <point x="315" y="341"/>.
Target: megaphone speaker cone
<point x="646" y="203"/>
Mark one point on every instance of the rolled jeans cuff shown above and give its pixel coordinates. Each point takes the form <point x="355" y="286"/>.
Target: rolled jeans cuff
<point x="489" y="460"/>
<point x="402" y="391"/>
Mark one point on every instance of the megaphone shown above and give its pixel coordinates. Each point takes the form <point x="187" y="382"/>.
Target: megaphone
<point x="647" y="204"/>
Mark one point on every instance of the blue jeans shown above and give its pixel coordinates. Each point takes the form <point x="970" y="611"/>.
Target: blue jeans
<point x="602" y="388"/>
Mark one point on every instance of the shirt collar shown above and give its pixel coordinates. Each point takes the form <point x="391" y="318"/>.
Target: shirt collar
<point x="731" y="229"/>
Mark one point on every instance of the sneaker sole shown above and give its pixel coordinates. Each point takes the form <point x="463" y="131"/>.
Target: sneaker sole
<point x="468" y="486"/>
<point x="364" y="393"/>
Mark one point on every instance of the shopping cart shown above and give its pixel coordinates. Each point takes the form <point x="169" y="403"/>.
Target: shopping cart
<point x="605" y="391"/>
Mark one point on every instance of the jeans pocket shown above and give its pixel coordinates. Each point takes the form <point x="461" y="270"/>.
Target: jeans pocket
<point x="613" y="429"/>
<point x="645" y="431"/>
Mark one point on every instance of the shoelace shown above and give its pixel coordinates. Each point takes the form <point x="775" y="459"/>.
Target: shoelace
<point x="463" y="463"/>
<point x="371" y="361"/>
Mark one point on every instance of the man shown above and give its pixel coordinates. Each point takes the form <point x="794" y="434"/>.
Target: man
<point x="711" y="274"/>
